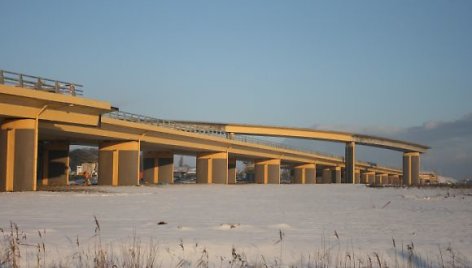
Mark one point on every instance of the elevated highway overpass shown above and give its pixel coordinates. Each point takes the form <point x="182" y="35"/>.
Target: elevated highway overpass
<point x="41" y="118"/>
<point x="411" y="151"/>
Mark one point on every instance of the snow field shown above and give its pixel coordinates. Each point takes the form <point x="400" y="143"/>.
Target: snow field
<point x="249" y="218"/>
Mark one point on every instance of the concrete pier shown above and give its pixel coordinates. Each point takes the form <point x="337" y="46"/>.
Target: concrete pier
<point x="18" y="155"/>
<point x="212" y="168"/>
<point x="267" y="171"/>
<point x="384" y="179"/>
<point x="357" y="177"/>
<point x="118" y="163"/>
<point x="305" y="173"/>
<point x="378" y="179"/>
<point x="158" y="167"/>
<point x="350" y="162"/>
<point x="411" y="168"/>
<point x="367" y="177"/>
<point x="336" y="175"/>
<point x="55" y="166"/>
<point x="232" y="170"/>
<point x="326" y="175"/>
<point x="394" y="179"/>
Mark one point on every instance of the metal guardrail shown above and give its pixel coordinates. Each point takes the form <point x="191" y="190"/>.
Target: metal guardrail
<point x="40" y="83"/>
<point x="375" y="165"/>
<point x="282" y="146"/>
<point x="193" y="128"/>
<point x="136" y="118"/>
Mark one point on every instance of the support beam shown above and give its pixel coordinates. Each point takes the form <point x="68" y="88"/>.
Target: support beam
<point x="267" y="171"/>
<point x="411" y="168"/>
<point x="350" y="162"/>
<point x="305" y="173"/>
<point x="158" y="167"/>
<point x="212" y="168"/>
<point x="118" y="163"/>
<point x="232" y="170"/>
<point x="18" y="150"/>
<point x="336" y="175"/>
<point x="56" y="164"/>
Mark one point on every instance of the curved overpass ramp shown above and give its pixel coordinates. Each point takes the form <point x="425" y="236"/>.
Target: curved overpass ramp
<point x="411" y="151"/>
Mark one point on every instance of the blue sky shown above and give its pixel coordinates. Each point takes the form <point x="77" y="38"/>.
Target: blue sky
<point x="294" y="63"/>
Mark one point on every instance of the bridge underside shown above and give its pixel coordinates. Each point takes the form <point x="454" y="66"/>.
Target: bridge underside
<point x="120" y="159"/>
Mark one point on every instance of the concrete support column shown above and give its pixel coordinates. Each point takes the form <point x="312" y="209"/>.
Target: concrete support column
<point x="336" y="175"/>
<point x="368" y="177"/>
<point x="18" y="155"/>
<point x="118" y="163"/>
<point x="267" y="171"/>
<point x="364" y="178"/>
<point x="411" y="168"/>
<point x="158" y="167"/>
<point x="56" y="164"/>
<point x="394" y="179"/>
<point x="232" y="171"/>
<point x="383" y="179"/>
<point x="212" y="168"/>
<point x="305" y="173"/>
<point x="357" y="176"/>
<point x="326" y="175"/>
<point x="350" y="162"/>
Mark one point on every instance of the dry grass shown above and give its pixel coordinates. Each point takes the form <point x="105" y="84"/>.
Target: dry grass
<point x="14" y="248"/>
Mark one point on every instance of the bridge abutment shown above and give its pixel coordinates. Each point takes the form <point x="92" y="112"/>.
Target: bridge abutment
<point x="118" y="163"/>
<point x="56" y="163"/>
<point x="158" y="167"/>
<point x="267" y="171"/>
<point x="18" y="155"/>
<point x="411" y="168"/>
<point x="212" y="168"/>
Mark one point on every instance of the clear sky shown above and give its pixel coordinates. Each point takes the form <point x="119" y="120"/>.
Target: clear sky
<point x="295" y="63"/>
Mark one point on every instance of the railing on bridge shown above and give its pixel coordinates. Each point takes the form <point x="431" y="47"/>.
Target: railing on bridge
<point x="40" y="83"/>
<point x="136" y="118"/>
<point x="194" y="128"/>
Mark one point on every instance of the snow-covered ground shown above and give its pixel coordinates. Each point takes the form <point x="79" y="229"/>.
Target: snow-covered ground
<point x="249" y="218"/>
